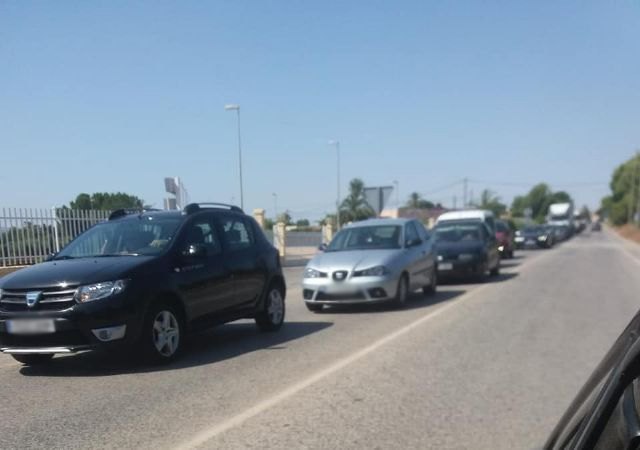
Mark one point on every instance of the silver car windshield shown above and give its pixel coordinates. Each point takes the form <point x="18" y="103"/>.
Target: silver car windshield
<point x="366" y="238"/>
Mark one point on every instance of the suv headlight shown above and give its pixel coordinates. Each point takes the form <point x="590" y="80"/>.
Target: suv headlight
<point x="542" y="238"/>
<point x="312" y="273"/>
<point x="376" y="271"/>
<point x="99" y="291"/>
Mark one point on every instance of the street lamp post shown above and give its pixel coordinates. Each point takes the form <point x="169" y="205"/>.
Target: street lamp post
<point x="236" y="108"/>
<point x="275" y="207"/>
<point x="336" y="144"/>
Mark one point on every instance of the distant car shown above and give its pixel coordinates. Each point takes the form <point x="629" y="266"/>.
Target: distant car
<point x="605" y="414"/>
<point x="504" y="235"/>
<point x="596" y="226"/>
<point x="143" y="280"/>
<point x="377" y="260"/>
<point x="561" y="232"/>
<point x="535" y="236"/>
<point x="466" y="248"/>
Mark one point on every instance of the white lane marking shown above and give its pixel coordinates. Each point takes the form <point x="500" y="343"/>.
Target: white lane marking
<point x="203" y="436"/>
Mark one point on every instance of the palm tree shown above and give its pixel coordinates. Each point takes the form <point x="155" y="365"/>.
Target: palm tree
<point x="417" y="202"/>
<point x="354" y="206"/>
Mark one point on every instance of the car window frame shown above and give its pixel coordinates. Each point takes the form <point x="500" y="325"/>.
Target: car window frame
<point x="184" y="231"/>
<point x="407" y="227"/>
<point x="221" y="218"/>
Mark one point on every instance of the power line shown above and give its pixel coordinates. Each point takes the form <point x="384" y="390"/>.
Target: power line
<point x="528" y="184"/>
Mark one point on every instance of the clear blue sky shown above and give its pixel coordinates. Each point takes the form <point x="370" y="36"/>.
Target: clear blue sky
<point x="108" y="96"/>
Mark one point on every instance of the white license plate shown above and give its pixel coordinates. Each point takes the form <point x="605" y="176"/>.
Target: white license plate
<point x="445" y="266"/>
<point x="31" y="326"/>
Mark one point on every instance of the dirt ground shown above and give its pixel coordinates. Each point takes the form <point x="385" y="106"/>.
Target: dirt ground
<point x="630" y="232"/>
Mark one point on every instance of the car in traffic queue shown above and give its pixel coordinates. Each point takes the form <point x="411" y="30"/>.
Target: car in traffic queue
<point x="605" y="413"/>
<point x="505" y="235"/>
<point x="561" y="232"/>
<point x="596" y="226"/>
<point x="466" y="248"/>
<point x="376" y="260"/>
<point x="142" y="280"/>
<point x="534" y="236"/>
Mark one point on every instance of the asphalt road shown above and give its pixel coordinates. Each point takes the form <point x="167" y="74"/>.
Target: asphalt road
<point x="477" y="366"/>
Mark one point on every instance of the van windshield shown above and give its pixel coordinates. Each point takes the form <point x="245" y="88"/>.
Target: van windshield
<point x="144" y="237"/>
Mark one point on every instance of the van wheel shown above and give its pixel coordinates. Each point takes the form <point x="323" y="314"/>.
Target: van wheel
<point x="33" y="360"/>
<point x="162" y="334"/>
<point x="495" y="271"/>
<point x="272" y="315"/>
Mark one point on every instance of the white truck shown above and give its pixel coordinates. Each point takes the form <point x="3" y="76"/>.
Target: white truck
<point x="561" y="214"/>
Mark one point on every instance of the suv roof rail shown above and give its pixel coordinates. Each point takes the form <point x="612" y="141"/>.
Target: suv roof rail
<point x="195" y="207"/>
<point x="116" y="214"/>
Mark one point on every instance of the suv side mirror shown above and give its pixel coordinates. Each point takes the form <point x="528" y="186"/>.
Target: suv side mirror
<point x="50" y="256"/>
<point x="322" y="247"/>
<point x="195" y="250"/>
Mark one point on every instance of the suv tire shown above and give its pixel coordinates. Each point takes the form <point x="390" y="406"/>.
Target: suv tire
<point x="33" y="359"/>
<point x="162" y="333"/>
<point x="272" y="315"/>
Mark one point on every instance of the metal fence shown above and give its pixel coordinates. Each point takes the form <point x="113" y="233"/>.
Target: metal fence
<point x="28" y="236"/>
<point x="303" y="238"/>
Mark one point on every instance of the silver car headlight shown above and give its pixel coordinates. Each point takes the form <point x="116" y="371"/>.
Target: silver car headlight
<point x="376" y="271"/>
<point x="312" y="273"/>
<point x="98" y="291"/>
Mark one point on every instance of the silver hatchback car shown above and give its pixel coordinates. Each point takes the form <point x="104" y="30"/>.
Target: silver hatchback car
<point x="372" y="261"/>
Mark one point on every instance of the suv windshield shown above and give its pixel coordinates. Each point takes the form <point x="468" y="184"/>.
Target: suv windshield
<point x="147" y="236"/>
<point x="366" y="238"/>
<point x="458" y="232"/>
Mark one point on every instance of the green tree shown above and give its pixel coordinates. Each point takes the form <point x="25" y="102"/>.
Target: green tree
<point x="285" y="218"/>
<point x="491" y="202"/>
<point x="106" y="201"/>
<point x="538" y="199"/>
<point x="416" y="201"/>
<point x="625" y="192"/>
<point x="303" y="223"/>
<point x="355" y="207"/>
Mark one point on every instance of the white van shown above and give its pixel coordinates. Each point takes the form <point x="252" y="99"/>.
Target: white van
<point x="480" y="215"/>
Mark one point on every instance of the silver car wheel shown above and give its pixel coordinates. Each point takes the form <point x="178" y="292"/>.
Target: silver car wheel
<point x="166" y="333"/>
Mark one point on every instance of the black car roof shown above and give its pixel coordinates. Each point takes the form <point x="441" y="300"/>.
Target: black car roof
<point x="190" y="209"/>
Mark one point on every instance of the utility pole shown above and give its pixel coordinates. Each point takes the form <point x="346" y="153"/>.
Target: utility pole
<point x="455" y="201"/>
<point x="464" y="193"/>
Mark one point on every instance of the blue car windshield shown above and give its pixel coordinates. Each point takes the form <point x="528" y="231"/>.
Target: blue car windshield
<point x="366" y="238"/>
<point x="147" y="236"/>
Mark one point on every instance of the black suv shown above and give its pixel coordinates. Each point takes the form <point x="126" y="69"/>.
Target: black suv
<point x="144" y="279"/>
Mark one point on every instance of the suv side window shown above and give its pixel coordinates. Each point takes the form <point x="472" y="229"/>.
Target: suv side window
<point x="201" y="231"/>
<point x="410" y="233"/>
<point x="238" y="235"/>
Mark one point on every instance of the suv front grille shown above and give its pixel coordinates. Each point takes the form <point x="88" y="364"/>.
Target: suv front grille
<point x="50" y="300"/>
